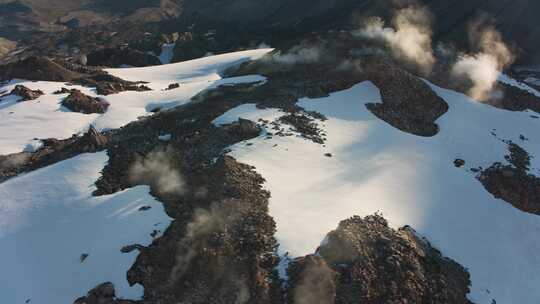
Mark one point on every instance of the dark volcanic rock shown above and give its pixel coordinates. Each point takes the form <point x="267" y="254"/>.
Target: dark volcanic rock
<point x="41" y="68"/>
<point x="514" y="99"/>
<point x="102" y="294"/>
<point x="53" y="151"/>
<point x="26" y="93"/>
<point x="115" y="57"/>
<point x="408" y="103"/>
<point x="365" y="261"/>
<point x="107" y="84"/>
<point x="243" y="128"/>
<point x="459" y="163"/>
<point x="222" y="252"/>
<point x="91" y="141"/>
<point x="190" y="46"/>
<point x="173" y="86"/>
<point x="79" y="102"/>
<point x="305" y="125"/>
<point x="513" y="183"/>
<point x="64" y="91"/>
<point x="36" y="68"/>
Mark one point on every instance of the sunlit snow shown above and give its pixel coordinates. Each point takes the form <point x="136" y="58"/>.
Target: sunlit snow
<point x="49" y="220"/>
<point x="411" y="180"/>
<point x="22" y="122"/>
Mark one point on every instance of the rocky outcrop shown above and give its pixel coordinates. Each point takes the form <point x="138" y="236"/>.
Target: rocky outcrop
<point x="91" y="141"/>
<point x="64" y="91"/>
<point x="305" y="125"/>
<point x="52" y="151"/>
<point x="107" y="84"/>
<point x="513" y="183"/>
<point x="514" y="99"/>
<point x="79" y="102"/>
<point x="26" y="93"/>
<point x="243" y="128"/>
<point x="116" y="57"/>
<point x="408" y="103"/>
<point x="36" y="68"/>
<point x="365" y="261"/>
<point x="102" y="294"/>
<point x="190" y="46"/>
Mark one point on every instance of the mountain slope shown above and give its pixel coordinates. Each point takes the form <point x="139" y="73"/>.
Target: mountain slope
<point x="324" y="157"/>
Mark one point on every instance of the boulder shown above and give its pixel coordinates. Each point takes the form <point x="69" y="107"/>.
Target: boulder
<point x="102" y="294"/>
<point x="79" y="102"/>
<point x="365" y="261"/>
<point x="26" y="93"/>
<point x="92" y="141"/>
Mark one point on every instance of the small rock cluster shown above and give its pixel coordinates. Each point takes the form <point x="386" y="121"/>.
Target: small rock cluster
<point x="79" y="102"/>
<point x="513" y="183"/>
<point x="26" y="93"/>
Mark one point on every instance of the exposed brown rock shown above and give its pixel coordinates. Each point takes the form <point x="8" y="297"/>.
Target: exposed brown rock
<point x="79" y="102"/>
<point x="106" y="84"/>
<point x="91" y="141"/>
<point x="513" y="183"/>
<point x="305" y="125"/>
<point x="365" y="261"/>
<point x="511" y="98"/>
<point x="173" y="86"/>
<point x="408" y="103"/>
<point x="102" y="294"/>
<point x="53" y="151"/>
<point x="458" y="162"/>
<point x="45" y="69"/>
<point x="115" y="57"/>
<point x="26" y="93"/>
<point x="36" y="68"/>
<point x="64" y="91"/>
<point x="244" y="128"/>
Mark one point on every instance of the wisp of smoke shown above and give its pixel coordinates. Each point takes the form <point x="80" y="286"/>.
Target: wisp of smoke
<point x="410" y="39"/>
<point x="13" y="161"/>
<point x="204" y="223"/>
<point x="483" y="68"/>
<point x="298" y="55"/>
<point x="157" y="170"/>
<point x="316" y="285"/>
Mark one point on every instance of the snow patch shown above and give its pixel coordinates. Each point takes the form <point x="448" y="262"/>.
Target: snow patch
<point x="411" y="180"/>
<point x="58" y="241"/>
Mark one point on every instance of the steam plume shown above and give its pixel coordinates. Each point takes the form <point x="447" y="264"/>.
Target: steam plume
<point x="316" y="284"/>
<point x="158" y="170"/>
<point x="410" y="39"/>
<point x="483" y="68"/>
<point x="299" y="55"/>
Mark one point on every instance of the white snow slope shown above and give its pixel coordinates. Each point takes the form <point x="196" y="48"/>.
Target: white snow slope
<point x="49" y="218"/>
<point x="21" y="122"/>
<point x="411" y="180"/>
